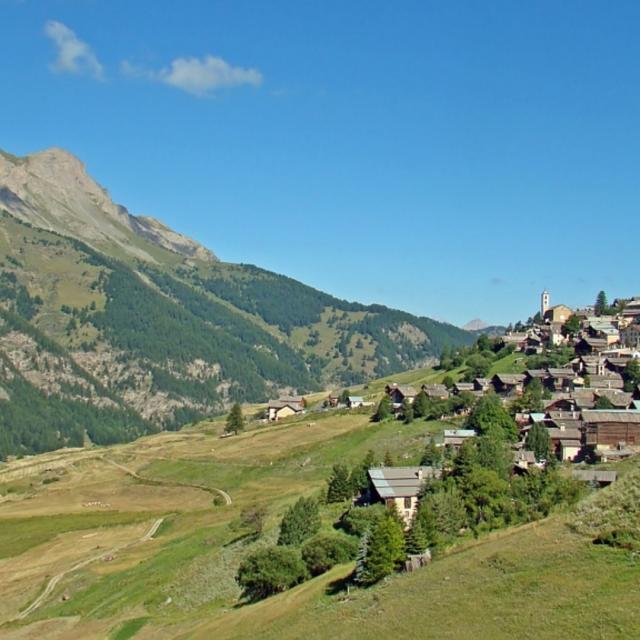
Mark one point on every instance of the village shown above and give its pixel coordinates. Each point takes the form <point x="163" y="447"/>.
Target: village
<point x="587" y="406"/>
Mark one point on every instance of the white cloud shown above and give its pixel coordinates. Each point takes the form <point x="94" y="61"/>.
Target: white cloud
<point x="198" y="76"/>
<point x="73" y="55"/>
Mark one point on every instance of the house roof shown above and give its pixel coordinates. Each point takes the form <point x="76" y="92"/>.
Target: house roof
<point x="595" y="416"/>
<point x="405" y="389"/>
<point x="597" y="475"/>
<point x="536" y="373"/>
<point x="435" y="389"/>
<point x="524" y="455"/>
<point x="356" y="399"/>
<point x="280" y="404"/>
<point x="618" y="399"/>
<point x="464" y="386"/>
<point x="561" y="373"/>
<point x="459" y="433"/>
<point x="401" y="482"/>
<point x="565" y="434"/>
<point x="618" y="361"/>
<point x="294" y="399"/>
<point x="612" y="381"/>
<point x="596" y="342"/>
<point x="510" y="378"/>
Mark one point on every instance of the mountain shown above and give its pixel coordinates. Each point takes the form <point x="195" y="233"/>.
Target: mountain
<point x="475" y="325"/>
<point x="52" y="190"/>
<point x="118" y="316"/>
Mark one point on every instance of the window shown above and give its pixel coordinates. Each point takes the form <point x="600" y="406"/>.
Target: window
<point x="407" y="503"/>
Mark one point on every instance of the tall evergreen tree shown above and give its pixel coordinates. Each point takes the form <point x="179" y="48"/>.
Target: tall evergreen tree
<point x="340" y="487"/>
<point x="601" y="306"/>
<point x="420" y="405"/>
<point x="432" y="455"/>
<point x="388" y="459"/>
<point x="359" y="574"/>
<point x="359" y="478"/>
<point x="386" y="550"/>
<point x="383" y="412"/>
<point x="235" y="420"/>
<point x="407" y="411"/>
<point x="417" y="537"/>
<point x="538" y="441"/>
<point x="300" y="521"/>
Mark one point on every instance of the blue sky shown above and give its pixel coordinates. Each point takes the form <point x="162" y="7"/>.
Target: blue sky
<point x="447" y="158"/>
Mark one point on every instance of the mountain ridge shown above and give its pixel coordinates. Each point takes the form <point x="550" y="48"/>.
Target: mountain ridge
<point x="169" y="333"/>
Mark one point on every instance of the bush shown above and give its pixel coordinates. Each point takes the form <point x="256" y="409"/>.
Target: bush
<point x="323" y="552"/>
<point x="300" y="521"/>
<point x="358" y="520"/>
<point x="270" y="571"/>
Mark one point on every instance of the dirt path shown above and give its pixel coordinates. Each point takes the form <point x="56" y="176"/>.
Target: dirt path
<point x="53" y="583"/>
<point x="167" y="483"/>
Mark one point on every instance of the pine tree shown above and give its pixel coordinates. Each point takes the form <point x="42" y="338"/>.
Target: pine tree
<point x="386" y="551"/>
<point x="361" y="559"/>
<point x="383" y="412"/>
<point x="421" y="405"/>
<point x="235" y="420"/>
<point x="417" y="538"/>
<point x="388" y="459"/>
<point x="432" y="456"/>
<point x="359" y="478"/>
<point x="407" y="411"/>
<point x="300" y="521"/>
<point x="340" y="488"/>
<point x="538" y="441"/>
<point x="601" y="305"/>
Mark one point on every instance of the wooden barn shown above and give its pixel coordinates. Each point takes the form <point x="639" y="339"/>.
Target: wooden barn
<point x="610" y="428"/>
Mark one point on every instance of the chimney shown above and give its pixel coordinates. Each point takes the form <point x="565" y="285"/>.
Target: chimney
<point x="419" y="473"/>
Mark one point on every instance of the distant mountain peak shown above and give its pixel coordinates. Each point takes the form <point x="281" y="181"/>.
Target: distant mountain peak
<point x="52" y="189"/>
<point x="475" y="325"/>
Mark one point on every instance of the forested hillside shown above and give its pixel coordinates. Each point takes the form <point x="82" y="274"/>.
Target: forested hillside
<point x="151" y="329"/>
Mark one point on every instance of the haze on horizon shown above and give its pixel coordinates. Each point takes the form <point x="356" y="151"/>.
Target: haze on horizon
<point x="451" y="160"/>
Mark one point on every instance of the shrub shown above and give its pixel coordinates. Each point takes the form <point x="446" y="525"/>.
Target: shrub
<point x="323" y="552"/>
<point x="270" y="571"/>
<point x="300" y="522"/>
<point x="358" y="520"/>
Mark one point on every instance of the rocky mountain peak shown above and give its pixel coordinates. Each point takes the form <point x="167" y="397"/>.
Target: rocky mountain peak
<point x="52" y="189"/>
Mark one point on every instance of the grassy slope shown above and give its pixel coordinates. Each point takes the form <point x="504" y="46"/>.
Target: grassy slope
<point x="533" y="580"/>
<point x="536" y="582"/>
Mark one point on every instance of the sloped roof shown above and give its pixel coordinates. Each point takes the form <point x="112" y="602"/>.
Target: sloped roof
<point x="459" y="433"/>
<point x="401" y="482"/>
<point x="628" y="416"/>
<point x="510" y="378"/>
<point x="597" y="475"/>
<point x="617" y="398"/>
<point x="565" y="434"/>
<point x="561" y="373"/>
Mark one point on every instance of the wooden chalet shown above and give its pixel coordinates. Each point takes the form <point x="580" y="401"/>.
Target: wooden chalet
<point x="619" y="399"/>
<point x="590" y="346"/>
<point x="398" y="394"/>
<point x="608" y="381"/>
<point x="508" y="384"/>
<point x="609" y="428"/>
<point x="560" y="379"/>
<point x="436" y="391"/>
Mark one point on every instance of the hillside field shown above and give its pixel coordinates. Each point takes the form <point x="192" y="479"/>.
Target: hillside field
<point x="85" y="520"/>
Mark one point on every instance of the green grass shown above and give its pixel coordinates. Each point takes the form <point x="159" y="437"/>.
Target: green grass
<point x="537" y="582"/>
<point x="18" y="535"/>
<point x="129" y="628"/>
